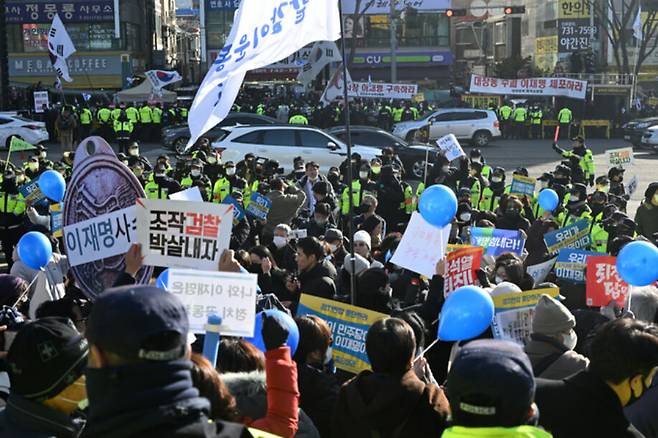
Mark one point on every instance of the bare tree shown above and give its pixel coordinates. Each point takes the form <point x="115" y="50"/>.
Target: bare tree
<point x="616" y="18"/>
<point x="356" y="19"/>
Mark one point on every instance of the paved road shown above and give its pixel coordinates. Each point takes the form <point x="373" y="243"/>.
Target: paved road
<point x="536" y="155"/>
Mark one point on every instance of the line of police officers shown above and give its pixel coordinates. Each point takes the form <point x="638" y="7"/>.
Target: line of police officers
<point x="526" y="121"/>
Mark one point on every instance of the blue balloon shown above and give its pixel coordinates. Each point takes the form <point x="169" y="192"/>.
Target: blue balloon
<point x="288" y="322"/>
<point x="35" y="249"/>
<point x="52" y="185"/>
<point x="438" y="205"/>
<point x="467" y="313"/>
<point x="163" y="279"/>
<point x="548" y="199"/>
<point x="637" y="263"/>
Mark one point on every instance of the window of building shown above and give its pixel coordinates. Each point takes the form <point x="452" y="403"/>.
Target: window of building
<point x="413" y="30"/>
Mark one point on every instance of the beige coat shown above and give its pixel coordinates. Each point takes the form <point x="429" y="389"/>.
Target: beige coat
<point x="567" y="364"/>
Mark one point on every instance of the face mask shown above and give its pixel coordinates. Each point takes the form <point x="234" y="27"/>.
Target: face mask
<point x="138" y="171"/>
<point x="445" y="169"/>
<point x="473" y="172"/>
<point x="498" y="279"/>
<point x="602" y="188"/>
<point x="574" y="198"/>
<point x="376" y="169"/>
<point x="33" y="166"/>
<point x="363" y="175"/>
<point x="195" y="173"/>
<point x="466" y="217"/>
<point x="333" y="247"/>
<point x="570" y="340"/>
<point x="496" y="179"/>
<point x="328" y="356"/>
<point x="230" y="171"/>
<point x="280" y="241"/>
<point x="212" y="160"/>
<point x="133" y="152"/>
<point x="320" y="221"/>
<point x="20" y="179"/>
<point x="42" y="155"/>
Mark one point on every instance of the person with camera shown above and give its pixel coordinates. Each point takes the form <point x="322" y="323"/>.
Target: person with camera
<point x="287" y="200"/>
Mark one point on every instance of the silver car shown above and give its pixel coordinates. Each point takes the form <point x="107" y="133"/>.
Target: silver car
<point x="476" y="126"/>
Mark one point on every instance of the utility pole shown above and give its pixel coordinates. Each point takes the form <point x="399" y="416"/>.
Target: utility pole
<point x="394" y="43"/>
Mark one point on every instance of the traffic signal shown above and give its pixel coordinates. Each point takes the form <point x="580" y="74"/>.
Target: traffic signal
<point x="509" y="10"/>
<point x="455" y="12"/>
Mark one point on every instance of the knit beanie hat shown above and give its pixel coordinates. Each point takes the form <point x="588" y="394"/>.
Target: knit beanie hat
<point x="552" y="317"/>
<point x="362" y="236"/>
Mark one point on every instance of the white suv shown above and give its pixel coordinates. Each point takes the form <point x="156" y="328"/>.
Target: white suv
<point x="285" y="142"/>
<point x="476" y="126"/>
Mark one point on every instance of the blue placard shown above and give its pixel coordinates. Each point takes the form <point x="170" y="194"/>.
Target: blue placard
<point x="571" y="263"/>
<point x="238" y="212"/>
<point x="259" y="206"/>
<point x="32" y="193"/>
<point x="574" y="236"/>
<point x="496" y="241"/>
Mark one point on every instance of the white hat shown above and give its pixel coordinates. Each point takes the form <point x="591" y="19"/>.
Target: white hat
<point x="360" y="264"/>
<point x="362" y="236"/>
<point x="505" y="288"/>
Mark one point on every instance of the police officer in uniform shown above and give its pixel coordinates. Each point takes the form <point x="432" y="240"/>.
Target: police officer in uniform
<point x="564" y="118"/>
<point x="135" y="157"/>
<point x="584" y="155"/>
<point x="520" y="116"/>
<point x="146" y="120"/>
<point x="123" y="129"/>
<point x="138" y="170"/>
<point x="12" y="211"/>
<point x="133" y="115"/>
<point x="156" y="118"/>
<point x="104" y="117"/>
<point x="197" y="178"/>
<point x="86" y="117"/>
<point x="505" y="115"/>
<point x="536" y="116"/>
<point x="161" y="186"/>
<point x="228" y="183"/>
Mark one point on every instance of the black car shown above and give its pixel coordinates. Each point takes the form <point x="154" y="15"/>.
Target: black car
<point x="634" y="129"/>
<point x="412" y="155"/>
<point x="176" y="137"/>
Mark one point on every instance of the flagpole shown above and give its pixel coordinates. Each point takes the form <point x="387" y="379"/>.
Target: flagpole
<point x="348" y="140"/>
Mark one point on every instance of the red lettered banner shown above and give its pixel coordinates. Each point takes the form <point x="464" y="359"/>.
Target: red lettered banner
<point x="461" y="265"/>
<point x="603" y="282"/>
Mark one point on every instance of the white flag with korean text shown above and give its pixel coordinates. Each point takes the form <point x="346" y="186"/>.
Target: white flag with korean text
<point x="322" y="53"/>
<point x="637" y="25"/>
<point x="263" y="32"/>
<point x="60" y="47"/>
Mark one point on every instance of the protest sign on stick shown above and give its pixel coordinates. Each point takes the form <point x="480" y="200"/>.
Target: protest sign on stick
<point x="495" y="241"/>
<point x="523" y="185"/>
<point x="259" y="206"/>
<point x="349" y="325"/>
<point x="230" y="295"/>
<point x="575" y="236"/>
<point x="571" y="264"/>
<point x="461" y="266"/>
<point x="100" y="237"/>
<point x="622" y="157"/>
<point x="183" y="234"/>
<point x="604" y="283"/>
<point x="422" y="246"/>
<point x="450" y="147"/>
<point x="514" y="313"/>
<point x="539" y="271"/>
<point x="191" y="194"/>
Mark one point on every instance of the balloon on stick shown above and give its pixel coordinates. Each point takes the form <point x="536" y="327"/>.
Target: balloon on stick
<point x="548" y="199"/>
<point x="286" y="320"/>
<point x="466" y="314"/>
<point x="637" y="263"/>
<point x="52" y="184"/>
<point x="438" y="205"/>
<point x="34" y="249"/>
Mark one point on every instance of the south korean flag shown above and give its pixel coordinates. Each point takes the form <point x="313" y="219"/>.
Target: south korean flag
<point x="60" y="47"/>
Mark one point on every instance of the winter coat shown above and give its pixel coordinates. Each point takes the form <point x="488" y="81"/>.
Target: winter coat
<point x="555" y="361"/>
<point x="318" y="396"/>
<point x="390" y="406"/>
<point x="646" y="219"/>
<point x="318" y="282"/>
<point x="285" y="207"/>
<point x="495" y="432"/>
<point x="582" y="405"/>
<point x="26" y="419"/>
<point x="644" y="412"/>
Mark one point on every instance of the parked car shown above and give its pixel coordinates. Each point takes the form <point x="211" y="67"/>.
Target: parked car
<point x="635" y="129"/>
<point x="412" y="155"/>
<point x="176" y="137"/>
<point x="12" y="125"/>
<point x="285" y="142"/>
<point x="650" y="138"/>
<point x="478" y="127"/>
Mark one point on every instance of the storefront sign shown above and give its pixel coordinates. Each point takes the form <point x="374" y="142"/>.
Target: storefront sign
<point x="572" y="88"/>
<point x="89" y="65"/>
<point x="573" y="9"/>
<point x="384" y="6"/>
<point x="575" y="35"/>
<point x="78" y="11"/>
<point x="404" y="58"/>
<point x="216" y="5"/>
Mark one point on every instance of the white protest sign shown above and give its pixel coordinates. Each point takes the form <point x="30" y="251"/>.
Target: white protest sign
<point x="40" y="99"/>
<point x="450" y="147"/>
<point x="101" y="237"/>
<point x="183" y="234"/>
<point x="540" y="271"/>
<point x="622" y="157"/>
<point x="191" y="194"/>
<point x="631" y="187"/>
<point x="422" y="246"/>
<point x="230" y="295"/>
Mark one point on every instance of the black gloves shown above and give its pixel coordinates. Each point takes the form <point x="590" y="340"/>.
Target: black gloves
<point x="275" y="334"/>
<point x="591" y="180"/>
<point x="557" y="149"/>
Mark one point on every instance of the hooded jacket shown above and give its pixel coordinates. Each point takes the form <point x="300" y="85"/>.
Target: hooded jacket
<point x="556" y="361"/>
<point x="374" y="404"/>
